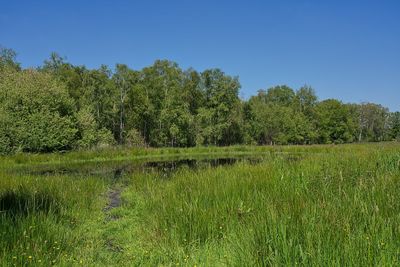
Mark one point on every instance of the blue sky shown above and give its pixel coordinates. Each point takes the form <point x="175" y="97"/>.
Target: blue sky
<point x="348" y="50"/>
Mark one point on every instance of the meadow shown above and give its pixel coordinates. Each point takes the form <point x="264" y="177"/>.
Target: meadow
<point x="322" y="205"/>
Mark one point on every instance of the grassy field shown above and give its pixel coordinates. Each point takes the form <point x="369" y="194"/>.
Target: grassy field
<point x="302" y="205"/>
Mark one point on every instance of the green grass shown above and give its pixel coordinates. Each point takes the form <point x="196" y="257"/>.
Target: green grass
<point x="329" y="206"/>
<point x="145" y="154"/>
<point x="45" y="220"/>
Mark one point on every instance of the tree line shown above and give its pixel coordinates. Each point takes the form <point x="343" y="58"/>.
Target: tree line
<point x="60" y="106"/>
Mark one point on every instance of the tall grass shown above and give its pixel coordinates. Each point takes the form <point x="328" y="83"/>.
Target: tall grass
<point x="310" y="206"/>
<point x="144" y="154"/>
<point x="323" y="210"/>
<point x="44" y="220"/>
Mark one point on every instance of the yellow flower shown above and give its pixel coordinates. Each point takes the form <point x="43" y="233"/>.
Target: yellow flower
<point x="30" y="257"/>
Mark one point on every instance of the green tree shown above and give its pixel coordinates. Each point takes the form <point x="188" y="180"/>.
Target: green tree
<point x="373" y="122"/>
<point x="99" y="94"/>
<point x="90" y="133"/>
<point x="160" y="84"/>
<point x="280" y="95"/>
<point x="8" y="59"/>
<point x="72" y="76"/>
<point x="37" y="111"/>
<point x="305" y="101"/>
<point x="273" y="123"/>
<point x="220" y="119"/>
<point x="395" y="125"/>
<point x="334" y="122"/>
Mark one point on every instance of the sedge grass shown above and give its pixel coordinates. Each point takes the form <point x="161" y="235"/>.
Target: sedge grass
<point x="332" y="206"/>
<point x="323" y="210"/>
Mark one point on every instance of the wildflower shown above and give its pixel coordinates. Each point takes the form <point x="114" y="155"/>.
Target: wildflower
<point x="30" y="257"/>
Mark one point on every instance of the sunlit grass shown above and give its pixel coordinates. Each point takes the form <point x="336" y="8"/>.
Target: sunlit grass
<point x="43" y="220"/>
<point x="323" y="210"/>
<point x="328" y="205"/>
<point x="144" y="154"/>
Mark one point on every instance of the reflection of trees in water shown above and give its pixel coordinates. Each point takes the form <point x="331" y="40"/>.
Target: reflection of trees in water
<point x="116" y="170"/>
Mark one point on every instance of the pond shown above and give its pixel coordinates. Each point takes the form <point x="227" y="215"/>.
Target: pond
<point x="115" y="169"/>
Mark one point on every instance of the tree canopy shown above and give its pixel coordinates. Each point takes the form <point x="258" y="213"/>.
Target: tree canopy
<point x="60" y="106"/>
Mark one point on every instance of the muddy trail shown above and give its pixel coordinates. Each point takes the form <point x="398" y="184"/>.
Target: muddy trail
<point x="114" y="194"/>
<point x="114" y="199"/>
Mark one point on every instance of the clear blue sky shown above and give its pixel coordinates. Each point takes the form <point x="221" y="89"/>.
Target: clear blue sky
<point x="348" y="50"/>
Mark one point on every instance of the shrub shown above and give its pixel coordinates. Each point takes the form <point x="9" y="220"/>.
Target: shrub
<point x="135" y="139"/>
<point x="40" y="111"/>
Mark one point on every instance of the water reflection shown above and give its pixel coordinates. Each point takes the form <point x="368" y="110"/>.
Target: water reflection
<point x="115" y="169"/>
<point x="162" y="167"/>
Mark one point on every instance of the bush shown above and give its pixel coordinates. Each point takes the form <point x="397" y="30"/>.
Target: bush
<point x="105" y="138"/>
<point x="135" y="139"/>
<point x="5" y="140"/>
<point x="40" y="111"/>
<point x="90" y="135"/>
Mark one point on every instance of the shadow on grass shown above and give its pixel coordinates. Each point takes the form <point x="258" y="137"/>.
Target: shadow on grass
<point x="22" y="202"/>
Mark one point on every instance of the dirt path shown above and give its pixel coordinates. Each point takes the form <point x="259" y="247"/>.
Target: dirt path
<point x="114" y="199"/>
<point x="114" y="194"/>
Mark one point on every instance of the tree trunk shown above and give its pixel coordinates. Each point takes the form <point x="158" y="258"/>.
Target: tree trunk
<point x="121" y="116"/>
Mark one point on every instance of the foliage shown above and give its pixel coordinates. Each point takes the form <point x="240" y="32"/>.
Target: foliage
<point x="334" y="122"/>
<point x="36" y="112"/>
<point x="8" y="59"/>
<point x="373" y="122"/>
<point x="395" y="125"/>
<point x="167" y="107"/>
<point x="271" y="122"/>
<point x="134" y="139"/>
<point x="90" y="134"/>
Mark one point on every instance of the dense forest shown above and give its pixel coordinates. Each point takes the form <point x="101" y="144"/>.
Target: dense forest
<point x="60" y="106"/>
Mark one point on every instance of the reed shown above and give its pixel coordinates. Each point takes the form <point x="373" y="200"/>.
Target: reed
<point x="302" y="205"/>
